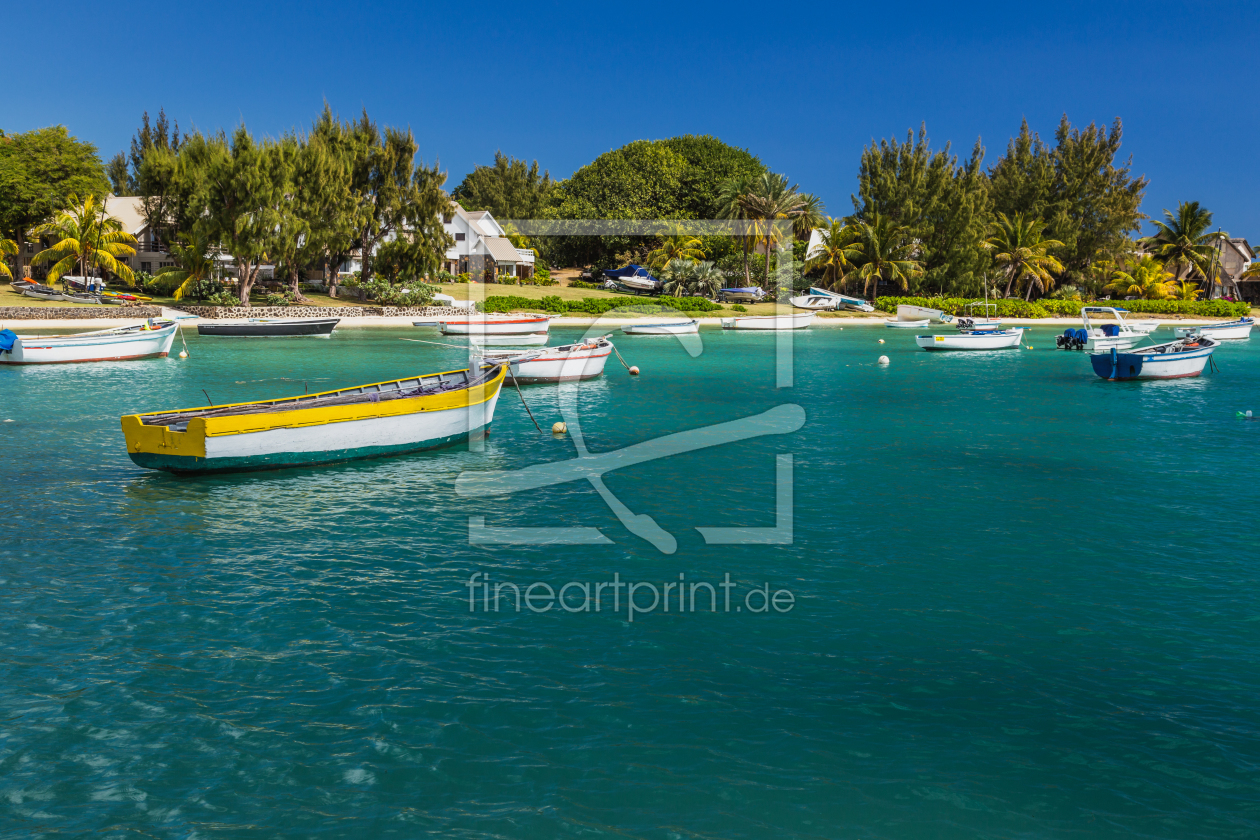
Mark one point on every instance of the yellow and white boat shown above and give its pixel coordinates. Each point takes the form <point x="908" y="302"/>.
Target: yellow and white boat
<point x="368" y="421"/>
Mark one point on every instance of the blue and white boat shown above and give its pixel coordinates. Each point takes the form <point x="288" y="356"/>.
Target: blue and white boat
<point x="1174" y="360"/>
<point x="990" y="339"/>
<point x="742" y="294"/>
<point x="1119" y="336"/>
<point x="1239" y="329"/>
<point x="821" y="299"/>
<point x="632" y="278"/>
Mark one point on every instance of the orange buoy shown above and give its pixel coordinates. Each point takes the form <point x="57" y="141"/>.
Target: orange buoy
<point x="634" y="370"/>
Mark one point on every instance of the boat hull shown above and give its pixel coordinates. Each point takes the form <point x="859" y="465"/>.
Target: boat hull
<point x="1232" y="331"/>
<point x="313" y="436"/>
<point x="795" y="321"/>
<point x="908" y="312"/>
<point x="894" y="324"/>
<point x="268" y="328"/>
<point x="90" y="347"/>
<point x="751" y="294"/>
<point x="505" y="326"/>
<point x="1117" y="366"/>
<point x="971" y="341"/>
<point x="661" y="329"/>
<point x="573" y="366"/>
<point x="815" y="303"/>
<point x="530" y="340"/>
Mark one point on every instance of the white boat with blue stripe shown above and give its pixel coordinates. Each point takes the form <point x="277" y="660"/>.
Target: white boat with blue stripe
<point x="139" y="341"/>
<point x="1228" y="330"/>
<point x="972" y="340"/>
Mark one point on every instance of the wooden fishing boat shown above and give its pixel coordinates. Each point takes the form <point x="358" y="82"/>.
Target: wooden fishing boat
<point x="1228" y="330"/>
<point x="675" y="328"/>
<point x="972" y="340"/>
<point x="1173" y="360"/>
<point x="530" y="340"/>
<point x="569" y="363"/>
<point x="367" y="421"/>
<point x="269" y="327"/>
<point x="492" y="325"/>
<point x="795" y="321"/>
<point x="139" y="341"/>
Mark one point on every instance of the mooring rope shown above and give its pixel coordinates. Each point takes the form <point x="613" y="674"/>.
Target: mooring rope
<point x="618" y="352"/>
<point x="522" y="396"/>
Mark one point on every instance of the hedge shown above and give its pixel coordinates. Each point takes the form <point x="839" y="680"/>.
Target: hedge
<point x="597" y="306"/>
<point x="1047" y="307"/>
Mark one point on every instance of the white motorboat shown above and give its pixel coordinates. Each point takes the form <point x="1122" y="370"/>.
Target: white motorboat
<point x="496" y="325"/>
<point x="979" y="319"/>
<point x="632" y="278"/>
<point x="908" y="312"/>
<point x="817" y="303"/>
<point x="795" y="321"/>
<point x="530" y="340"/>
<point x="972" y="340"/>
<point x="1178" y="359"/>
<point x="1144" y="327"/>
<point x="1228" y="330"/>
<point x="40" y="292"/>
<point x="569" y="363"/>
<point x="1094" y="337"/>
<point x="139" y="341"/>
<point x="676" y="328"/>
<point x="897" y="324"/>
<point x="741" y="294"/>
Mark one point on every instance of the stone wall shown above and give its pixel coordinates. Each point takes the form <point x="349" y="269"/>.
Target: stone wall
<point x="323" y="311"/>
<point x="56" y="313"/>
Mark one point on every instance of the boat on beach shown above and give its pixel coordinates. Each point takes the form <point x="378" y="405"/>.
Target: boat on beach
<point x="632" y="278"/>
<point x="1178" y="359"/>
<point x="367" y="421"/>
<point x="42" y="292"/>
<point x="492" y="325"/>
<point x="909" y="312"/>
<point x="138" y="341"/>
<point x="568" y="363"/>
<point x="1227" y="330"/>
<point x="794" y="321"/>
<point x="972" y="340"/>
<point x="269" y="327"/>
<point x="675" y="328"/>
<point x="741" y="294"/>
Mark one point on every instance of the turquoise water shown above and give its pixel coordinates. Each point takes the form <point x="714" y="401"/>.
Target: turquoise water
<point x="1025" y="605"/>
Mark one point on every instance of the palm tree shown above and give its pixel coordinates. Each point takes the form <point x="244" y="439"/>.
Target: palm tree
<point x="770" y="202"/>
<point x="8" y="248"/>
<point x="1019" y="248"/>
<point x="885" y="254"/>
<point x="88" y="238"/>
<point x="734" y="203"/>
<point x="677" y="245"/>
<point x="193" y="264"/>
<point x="836" y="253"/>
<point x="1184" y="242"/>
<point x="1185" y="290"/>
<point x="1148" y="280"/>
<point x="809" y="216"/>
<point x="677" y="276"/>
<point x="706" y="279"/>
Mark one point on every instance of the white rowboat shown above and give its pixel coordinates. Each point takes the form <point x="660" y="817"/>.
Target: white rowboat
<point x="973" y="340"/>
<point x="795" y="321"/>
<point x="140" y="341"/>
<point x="506" y="325"/>
<point x="531" y="340"/>
<point x="679" y="328"/>
<point x="569" y="363"/>
<point x="1173" y="360"/>
<point x="908" y="312"/>
<point x="1228" y="330"/>
<point x="895" y="324"/>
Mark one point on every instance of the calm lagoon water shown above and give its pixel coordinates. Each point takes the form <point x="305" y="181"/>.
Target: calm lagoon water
<point x="1026" y="605"/>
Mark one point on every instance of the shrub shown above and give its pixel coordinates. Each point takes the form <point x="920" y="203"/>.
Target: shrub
<point x="279" y="299"/>
<point x="739" y="307"/>
<point x="1046" y="307"/>
<point x="223" y="298"/>
<point x="582" y="284"/>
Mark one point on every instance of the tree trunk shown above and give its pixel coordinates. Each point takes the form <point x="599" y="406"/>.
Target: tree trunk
<point x="19" y="259"/>
<point x="293" y="282"/>
<point x="1028" y="294"/>
<point x="246" y="273"/>
<point x="747" y="267"/>
<point x="1010" y="281"/>
<point x="768" y="264"/>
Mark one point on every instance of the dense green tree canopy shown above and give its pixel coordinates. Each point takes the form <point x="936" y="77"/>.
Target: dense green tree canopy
<point x="511" y="189"/>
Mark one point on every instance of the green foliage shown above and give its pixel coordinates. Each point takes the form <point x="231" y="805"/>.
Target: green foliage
<point x="739" y="307"/>
<point x="511" y="189"/>
<point x="279" y="299"/>
<point x="709" y="163"/>
<point x="223" y="298"/>
<point x="943" y="206"/>
<point x="582" y="284"/>
<point x="597" y="306"/>
<point x="387" y="294"/>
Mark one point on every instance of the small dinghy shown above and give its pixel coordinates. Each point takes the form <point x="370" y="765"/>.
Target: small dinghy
<point x="41" y="292"/>
<point x="496" y="325"/>
<point x="898" y="324"/>
<point x="140" y="341"/>
<point x="1228" y="330"/>
<point x="367" y="421"/>
<point x="972" y="340"/>
<point x="676" y="328"/>
<point x="569" y="363"/>
<point x="269" y="327"/>
<point x="1174" y="360"/>
<point x="795" y="321"/>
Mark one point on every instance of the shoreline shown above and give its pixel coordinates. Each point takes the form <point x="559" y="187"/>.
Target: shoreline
<point x="20" y="325"/>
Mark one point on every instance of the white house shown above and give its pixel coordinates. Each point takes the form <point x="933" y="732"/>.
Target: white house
<point x="482" y="246"/>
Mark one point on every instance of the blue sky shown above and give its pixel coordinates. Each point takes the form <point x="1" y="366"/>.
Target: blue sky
<point x="803" y="86"/>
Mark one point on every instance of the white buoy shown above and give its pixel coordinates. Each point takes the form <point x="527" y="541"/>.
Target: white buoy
<point x="883" y="360"/>
<point x="1248" y="417"/>
<point x="559" y="428"/>
<point x="10" y="421"/>
<point x="881" y="341"/>
<point x="634" y="370"/>
<point x="183" y="354"/>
